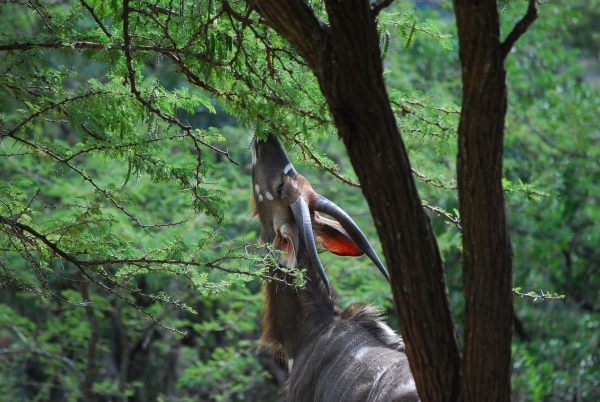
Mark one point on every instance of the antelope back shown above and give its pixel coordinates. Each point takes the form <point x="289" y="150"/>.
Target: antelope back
<point x="357" y="359"/>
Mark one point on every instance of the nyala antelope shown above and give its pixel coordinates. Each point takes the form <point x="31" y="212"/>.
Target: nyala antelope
<point x="332" y="355"/>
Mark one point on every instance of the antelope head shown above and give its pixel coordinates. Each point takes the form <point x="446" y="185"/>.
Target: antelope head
<point x="288" y="209"/>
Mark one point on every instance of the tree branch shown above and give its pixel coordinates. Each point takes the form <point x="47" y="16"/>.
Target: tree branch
<point x="519" y="29"/>
<point x="175" y="55"/>
<point x="80" y="265"/>
<point x="541" y="296"/>
<point x="333" y="171"/>
<point x="91" y="11"/>
<point x="441" y="212"/>
<point x="296" y="21"/>
<point x="432" y="182"/>
<point x="51" y="45"/>
<point x="140" y="262"/>
<point x="379" y="5"/>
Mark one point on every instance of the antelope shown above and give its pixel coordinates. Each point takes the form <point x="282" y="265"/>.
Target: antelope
<point x="332" y="355"/>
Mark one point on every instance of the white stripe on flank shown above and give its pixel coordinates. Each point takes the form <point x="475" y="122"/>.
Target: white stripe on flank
<point x="269" y="196"/>
<point x="334" y="365"/>
<point x="365" y="366"/>
<point x="376" y="382"/>
<point x="325" y="338"/>
<point x="287" y="168"/>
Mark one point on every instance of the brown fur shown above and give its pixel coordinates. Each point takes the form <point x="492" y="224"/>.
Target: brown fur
<point x="292" y="315"/>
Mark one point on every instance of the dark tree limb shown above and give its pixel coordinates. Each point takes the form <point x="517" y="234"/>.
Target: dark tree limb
<point x="379" y="5"/>
<point x="520" y="28"/>
<point x="520" y="329"/>
<point x="296" y="21"/>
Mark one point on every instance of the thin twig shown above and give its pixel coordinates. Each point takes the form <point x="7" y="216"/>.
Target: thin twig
<point x="91" y="11"/>
<point x="430" y="181"/>
<point x="541" y="296"/>
<point x="441" y="212"/>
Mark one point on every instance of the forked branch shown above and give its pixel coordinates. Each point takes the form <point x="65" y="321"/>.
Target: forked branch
<point x="520" y="28"/>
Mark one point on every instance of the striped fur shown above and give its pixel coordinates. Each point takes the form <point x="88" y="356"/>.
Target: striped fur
<point x="348" y="355"/>
<point x="348" y="363"/>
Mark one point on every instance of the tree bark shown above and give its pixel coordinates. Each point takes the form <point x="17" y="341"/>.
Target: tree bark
<point x="487" y="250"/>
<point x="345" y="58"/>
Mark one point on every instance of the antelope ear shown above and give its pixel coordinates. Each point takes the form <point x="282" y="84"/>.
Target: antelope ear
<point x="284" y="243"/>
<point x="334" y="238"/>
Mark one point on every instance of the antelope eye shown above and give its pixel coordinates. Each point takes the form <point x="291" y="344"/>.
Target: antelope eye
<point x="280" y="188"/>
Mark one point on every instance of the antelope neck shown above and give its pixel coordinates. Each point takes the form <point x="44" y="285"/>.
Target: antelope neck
<point x="292" y="316"/>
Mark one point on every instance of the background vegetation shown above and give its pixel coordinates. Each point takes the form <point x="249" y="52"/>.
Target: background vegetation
<point x="124" y="219"/>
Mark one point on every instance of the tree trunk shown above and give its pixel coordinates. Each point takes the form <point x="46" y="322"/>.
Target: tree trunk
<point x="90" y="369"/>
<point x="487" y="251"/>
<point x="345" y="57"/>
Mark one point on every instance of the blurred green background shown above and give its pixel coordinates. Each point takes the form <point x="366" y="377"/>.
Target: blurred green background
<point x="53" y="348"/>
